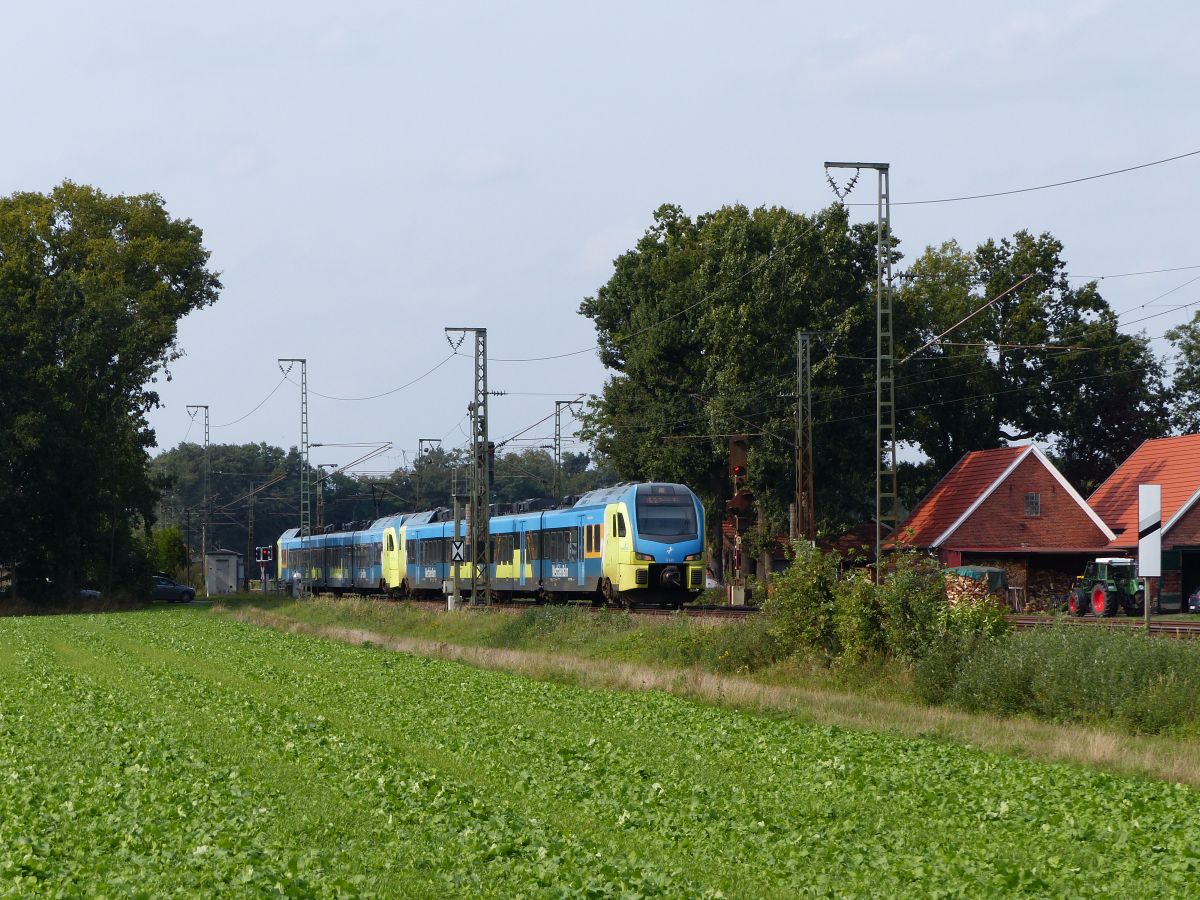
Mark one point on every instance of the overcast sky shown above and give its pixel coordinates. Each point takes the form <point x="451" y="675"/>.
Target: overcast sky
<point x="366" y="174"/>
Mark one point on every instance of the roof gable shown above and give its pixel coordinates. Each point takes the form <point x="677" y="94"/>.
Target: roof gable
<point x="1173" y="463"/>
<point x="963" y="487"/>
<point x="970" y="483"/>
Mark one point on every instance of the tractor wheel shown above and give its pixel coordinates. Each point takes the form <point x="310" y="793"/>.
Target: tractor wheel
<point x="1077" y="602"/>
<point x="1137" y="606"/>
<point x="1105" y="603"/>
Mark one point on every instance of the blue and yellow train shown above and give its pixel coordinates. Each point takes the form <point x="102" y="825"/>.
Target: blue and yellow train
<point x="633" y="543"/>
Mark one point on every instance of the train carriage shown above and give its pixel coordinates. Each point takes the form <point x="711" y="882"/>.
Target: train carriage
<point x="625" y="544"/>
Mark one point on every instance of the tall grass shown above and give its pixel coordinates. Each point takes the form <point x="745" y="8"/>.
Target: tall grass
<point x="1062" y="674"/>
<point x="1146" y="685"/>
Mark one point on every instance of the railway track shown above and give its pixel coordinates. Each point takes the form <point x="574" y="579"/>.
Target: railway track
<point x="696" y="612"/>
<point x="1179" y="629"/>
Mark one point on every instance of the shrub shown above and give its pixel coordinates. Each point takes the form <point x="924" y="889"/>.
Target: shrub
<point x="1143" y="684"/>
<point x="802" y="606"/>
<point x="859" y="618"/>
<point x="913" y="600"/>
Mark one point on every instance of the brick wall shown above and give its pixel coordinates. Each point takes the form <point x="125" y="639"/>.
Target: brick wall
<point x="1001" y="520"/>
<point x="1186" y="532"/>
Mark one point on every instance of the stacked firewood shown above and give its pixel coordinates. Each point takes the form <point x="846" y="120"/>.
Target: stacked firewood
<point x="960" y="589"/>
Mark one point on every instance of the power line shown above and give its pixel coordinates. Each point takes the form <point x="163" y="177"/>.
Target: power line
<point x="407" y="384"/>
<point x="1159" y="297"/>
<point x="1016" y="390"/>
<point x="501" y="443"/>
<point x="966" y="318"/>
<point x="1129" y="274"/>
<point x="1040" y="187"/>
<point x="457" y="424"/>
<point x="257" y="408"/>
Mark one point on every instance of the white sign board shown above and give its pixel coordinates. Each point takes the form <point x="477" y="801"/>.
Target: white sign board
<point x="1150" y="530"/>
<point x="456" y="551"/>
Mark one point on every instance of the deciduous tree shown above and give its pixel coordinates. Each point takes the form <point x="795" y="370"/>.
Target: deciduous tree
<point x="698" y="324"/>
<point x="92" y="288"/>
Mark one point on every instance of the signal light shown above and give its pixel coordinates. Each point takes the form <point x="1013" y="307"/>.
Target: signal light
<point x="739" y="477"/>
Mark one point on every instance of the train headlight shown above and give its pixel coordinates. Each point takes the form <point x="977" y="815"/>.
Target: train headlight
<point x="692" y="558"/>
<point x="644" y="557"/>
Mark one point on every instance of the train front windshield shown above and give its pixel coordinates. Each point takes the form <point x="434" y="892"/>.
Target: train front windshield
<point x="666" y="517"/>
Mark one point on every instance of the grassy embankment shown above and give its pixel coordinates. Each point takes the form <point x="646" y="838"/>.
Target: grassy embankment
<point x="732" y="663"/>
<point x="173" y="751"/>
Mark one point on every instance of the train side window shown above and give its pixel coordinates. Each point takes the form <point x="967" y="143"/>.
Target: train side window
<point x="587" y="539"/>
<point x="620" y="525"/>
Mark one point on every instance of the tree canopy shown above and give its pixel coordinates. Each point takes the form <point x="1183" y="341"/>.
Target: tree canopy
<point x="92" y="288"/>
<point x="698" y="326"/>
<point x="1034" y="358"/>
<point x="1185" y="411"/>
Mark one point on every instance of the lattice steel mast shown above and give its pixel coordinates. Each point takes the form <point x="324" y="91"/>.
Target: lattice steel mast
<point x="305" y="499"/>
<point x="887" y="507"/>
<point x="481" y="545"/>
<point x="805" y="509"/>
<point x="205" y="525"/>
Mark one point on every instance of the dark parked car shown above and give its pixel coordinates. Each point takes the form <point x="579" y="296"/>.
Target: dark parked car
<point x="1193" y="602"/>
<point x="171" y="591"/>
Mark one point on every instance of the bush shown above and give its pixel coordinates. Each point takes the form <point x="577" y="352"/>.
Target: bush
<point x="803" y="603"/>
<point x="859" y="618"/>
<point x="1144" y="684"/>
<point x="913" y="601"/>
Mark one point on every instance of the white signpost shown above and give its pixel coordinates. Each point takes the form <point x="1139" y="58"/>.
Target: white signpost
<point x="1149" y="540"/>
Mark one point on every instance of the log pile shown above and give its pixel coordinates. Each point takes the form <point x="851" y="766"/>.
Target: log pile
<point x="960" y="589"/>
<point x="1044" y="586"/>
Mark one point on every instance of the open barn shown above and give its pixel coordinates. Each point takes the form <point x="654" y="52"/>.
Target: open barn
<point x="1010" y="507"/>
<point x="1174" y="464"/>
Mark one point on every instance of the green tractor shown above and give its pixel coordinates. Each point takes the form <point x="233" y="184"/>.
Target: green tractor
<point x="1107" y="585"/>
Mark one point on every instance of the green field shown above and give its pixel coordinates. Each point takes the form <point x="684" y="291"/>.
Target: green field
<point x="177" y="751"/>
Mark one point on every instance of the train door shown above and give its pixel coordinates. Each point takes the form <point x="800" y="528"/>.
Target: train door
<point x="574" y="553"/>
<point x="580" y="554"/>
<point x="616" y="542"/>
<point x="391" y="559"/>
<point x="522" y="553"/>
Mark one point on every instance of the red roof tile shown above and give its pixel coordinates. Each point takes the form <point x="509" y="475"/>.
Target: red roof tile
<point x="1172" y="462"/>
<point x="953" y="495"/>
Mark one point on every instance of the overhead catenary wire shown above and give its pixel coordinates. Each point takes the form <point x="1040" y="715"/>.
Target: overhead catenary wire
<point x="1016" y="390"/>
<point x="831" y="397"/>
<point x="501" y="443"/>
<point x="1039" y="187"/>
<point x="387" y="393"/>
<point x="967" y="318"/>
<point x="256" y="408"/>
<point x="1130" y="274"/>
<point x="1152" y="300"/>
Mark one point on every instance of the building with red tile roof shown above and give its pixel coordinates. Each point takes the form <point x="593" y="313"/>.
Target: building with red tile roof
<point x="1009" y="507"/>
<point x="1174" y="464"/>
